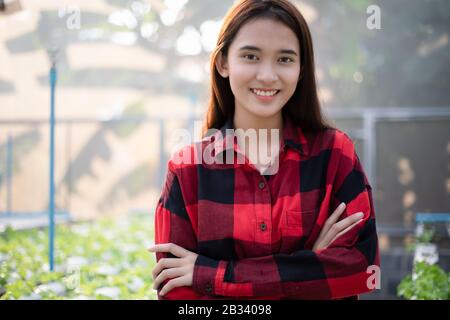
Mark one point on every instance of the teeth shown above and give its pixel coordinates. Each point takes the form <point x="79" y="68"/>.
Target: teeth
<point x="265" y="93"/>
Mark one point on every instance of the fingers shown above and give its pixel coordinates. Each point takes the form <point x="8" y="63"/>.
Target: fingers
<point x="167" y="274"/>
<point x="178" y="282"/>
<point x="172" y="267"/>
<point x="320" y="244"/>
<point x="165" y="263"/>
<point x="334" y="217"/>
<point x="340" y="226"/>
<point x="170" y="247"/>
<point x="345" y="230"/>
<point x="348" y="221"/>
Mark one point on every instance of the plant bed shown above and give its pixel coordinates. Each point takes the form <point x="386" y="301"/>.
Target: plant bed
<point x="102" y="259"/>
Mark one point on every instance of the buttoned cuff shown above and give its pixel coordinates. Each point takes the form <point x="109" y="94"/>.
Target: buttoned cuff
<point x="208" y="276"/>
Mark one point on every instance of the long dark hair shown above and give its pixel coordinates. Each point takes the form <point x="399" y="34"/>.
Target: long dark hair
<point x="303" y="108"/>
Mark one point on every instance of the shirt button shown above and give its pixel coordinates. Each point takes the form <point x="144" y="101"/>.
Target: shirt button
<point x="208" y="287"/>
<point x="263" y="226"/>
<point x="261" y="185"/>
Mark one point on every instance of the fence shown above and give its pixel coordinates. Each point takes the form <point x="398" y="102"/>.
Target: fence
<point x="118" y="165"/>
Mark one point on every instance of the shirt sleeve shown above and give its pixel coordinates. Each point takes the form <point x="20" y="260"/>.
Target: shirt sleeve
<point x="348" y="267"/>
<point x="173" y="225"/>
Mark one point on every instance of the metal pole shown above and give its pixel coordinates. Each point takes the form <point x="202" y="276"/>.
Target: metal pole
<point x="370" y="147"/>
<point x="52" y="167"/>
<point x="69" y="169"/>
<point x="9" y="175"/>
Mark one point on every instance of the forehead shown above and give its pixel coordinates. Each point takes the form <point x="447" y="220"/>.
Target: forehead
<point x="267" y="34"/>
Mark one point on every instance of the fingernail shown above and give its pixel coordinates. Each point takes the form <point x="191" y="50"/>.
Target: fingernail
<point x="360" y="215"/>
<point x="342" y="205"/>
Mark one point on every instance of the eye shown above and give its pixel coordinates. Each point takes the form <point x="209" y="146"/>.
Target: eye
<point x="291" y="60"/>
<point x="249" y="55"/>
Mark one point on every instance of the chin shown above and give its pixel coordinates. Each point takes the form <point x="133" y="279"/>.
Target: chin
<point x="265" y="113"/>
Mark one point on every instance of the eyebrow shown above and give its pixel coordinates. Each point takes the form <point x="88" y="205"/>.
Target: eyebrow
<point x="287" y="51"/>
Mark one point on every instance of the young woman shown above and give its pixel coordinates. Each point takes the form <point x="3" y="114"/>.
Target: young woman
<point x="301" y="229"/>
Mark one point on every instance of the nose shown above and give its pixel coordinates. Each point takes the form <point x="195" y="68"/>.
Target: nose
<point x="266" y="73"/>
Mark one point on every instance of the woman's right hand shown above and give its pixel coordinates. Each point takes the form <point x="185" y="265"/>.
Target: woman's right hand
<point x="333" y="230"/>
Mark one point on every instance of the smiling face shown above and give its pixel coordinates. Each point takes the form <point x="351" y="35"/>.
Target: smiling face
<point x="265" y="54"/>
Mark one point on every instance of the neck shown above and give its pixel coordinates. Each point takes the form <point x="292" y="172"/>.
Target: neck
<point x="244" y="120"/>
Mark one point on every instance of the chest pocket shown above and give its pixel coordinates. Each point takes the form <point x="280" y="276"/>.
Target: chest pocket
<point x="295" y="228"/>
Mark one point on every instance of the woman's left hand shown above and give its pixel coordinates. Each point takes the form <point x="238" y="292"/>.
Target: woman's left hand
<point x="180" y="270"/>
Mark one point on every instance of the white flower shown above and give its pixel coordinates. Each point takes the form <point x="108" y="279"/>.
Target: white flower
<point x="33" y="296"/>
<point x="77" y="261"/>
<point x="108" y="270"/>
<point x="56" y="287"/>
<point x="136" y="284"/>
<point x="109" y="292"/>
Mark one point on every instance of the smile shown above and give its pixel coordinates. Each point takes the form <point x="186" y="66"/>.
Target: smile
<point x="265" y="93"/>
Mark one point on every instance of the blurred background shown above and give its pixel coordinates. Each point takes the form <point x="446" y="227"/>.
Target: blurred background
<point x="131" y="72"/>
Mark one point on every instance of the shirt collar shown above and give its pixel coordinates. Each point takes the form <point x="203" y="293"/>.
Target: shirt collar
<point x="293" y="137"/>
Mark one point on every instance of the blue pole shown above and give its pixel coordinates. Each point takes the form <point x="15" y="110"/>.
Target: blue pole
<point x="51" y="210"/>
<point x="9" y="174"/>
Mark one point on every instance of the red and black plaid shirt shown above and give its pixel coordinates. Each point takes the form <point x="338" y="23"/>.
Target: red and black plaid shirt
<point x="254" y="235"/>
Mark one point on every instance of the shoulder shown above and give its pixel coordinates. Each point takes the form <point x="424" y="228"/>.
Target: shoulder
<point x="183" y="156"/>
<point x="341" y="138"/>
<point x="334" y="134"/>
<point x="194" y="153"/>
<point x="330" y="139"/>
<point x="191" y="154"/>
<point x="341" y="144"/>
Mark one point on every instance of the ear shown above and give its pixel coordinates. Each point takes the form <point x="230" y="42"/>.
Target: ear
<point x="222" y="65"/>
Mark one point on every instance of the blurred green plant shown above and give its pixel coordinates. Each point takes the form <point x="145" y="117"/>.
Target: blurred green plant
<point x="430" y="282"/>
<point x="427" y="281"/>
<point x="104" y="259"/>
<point x="425" y="237"/>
